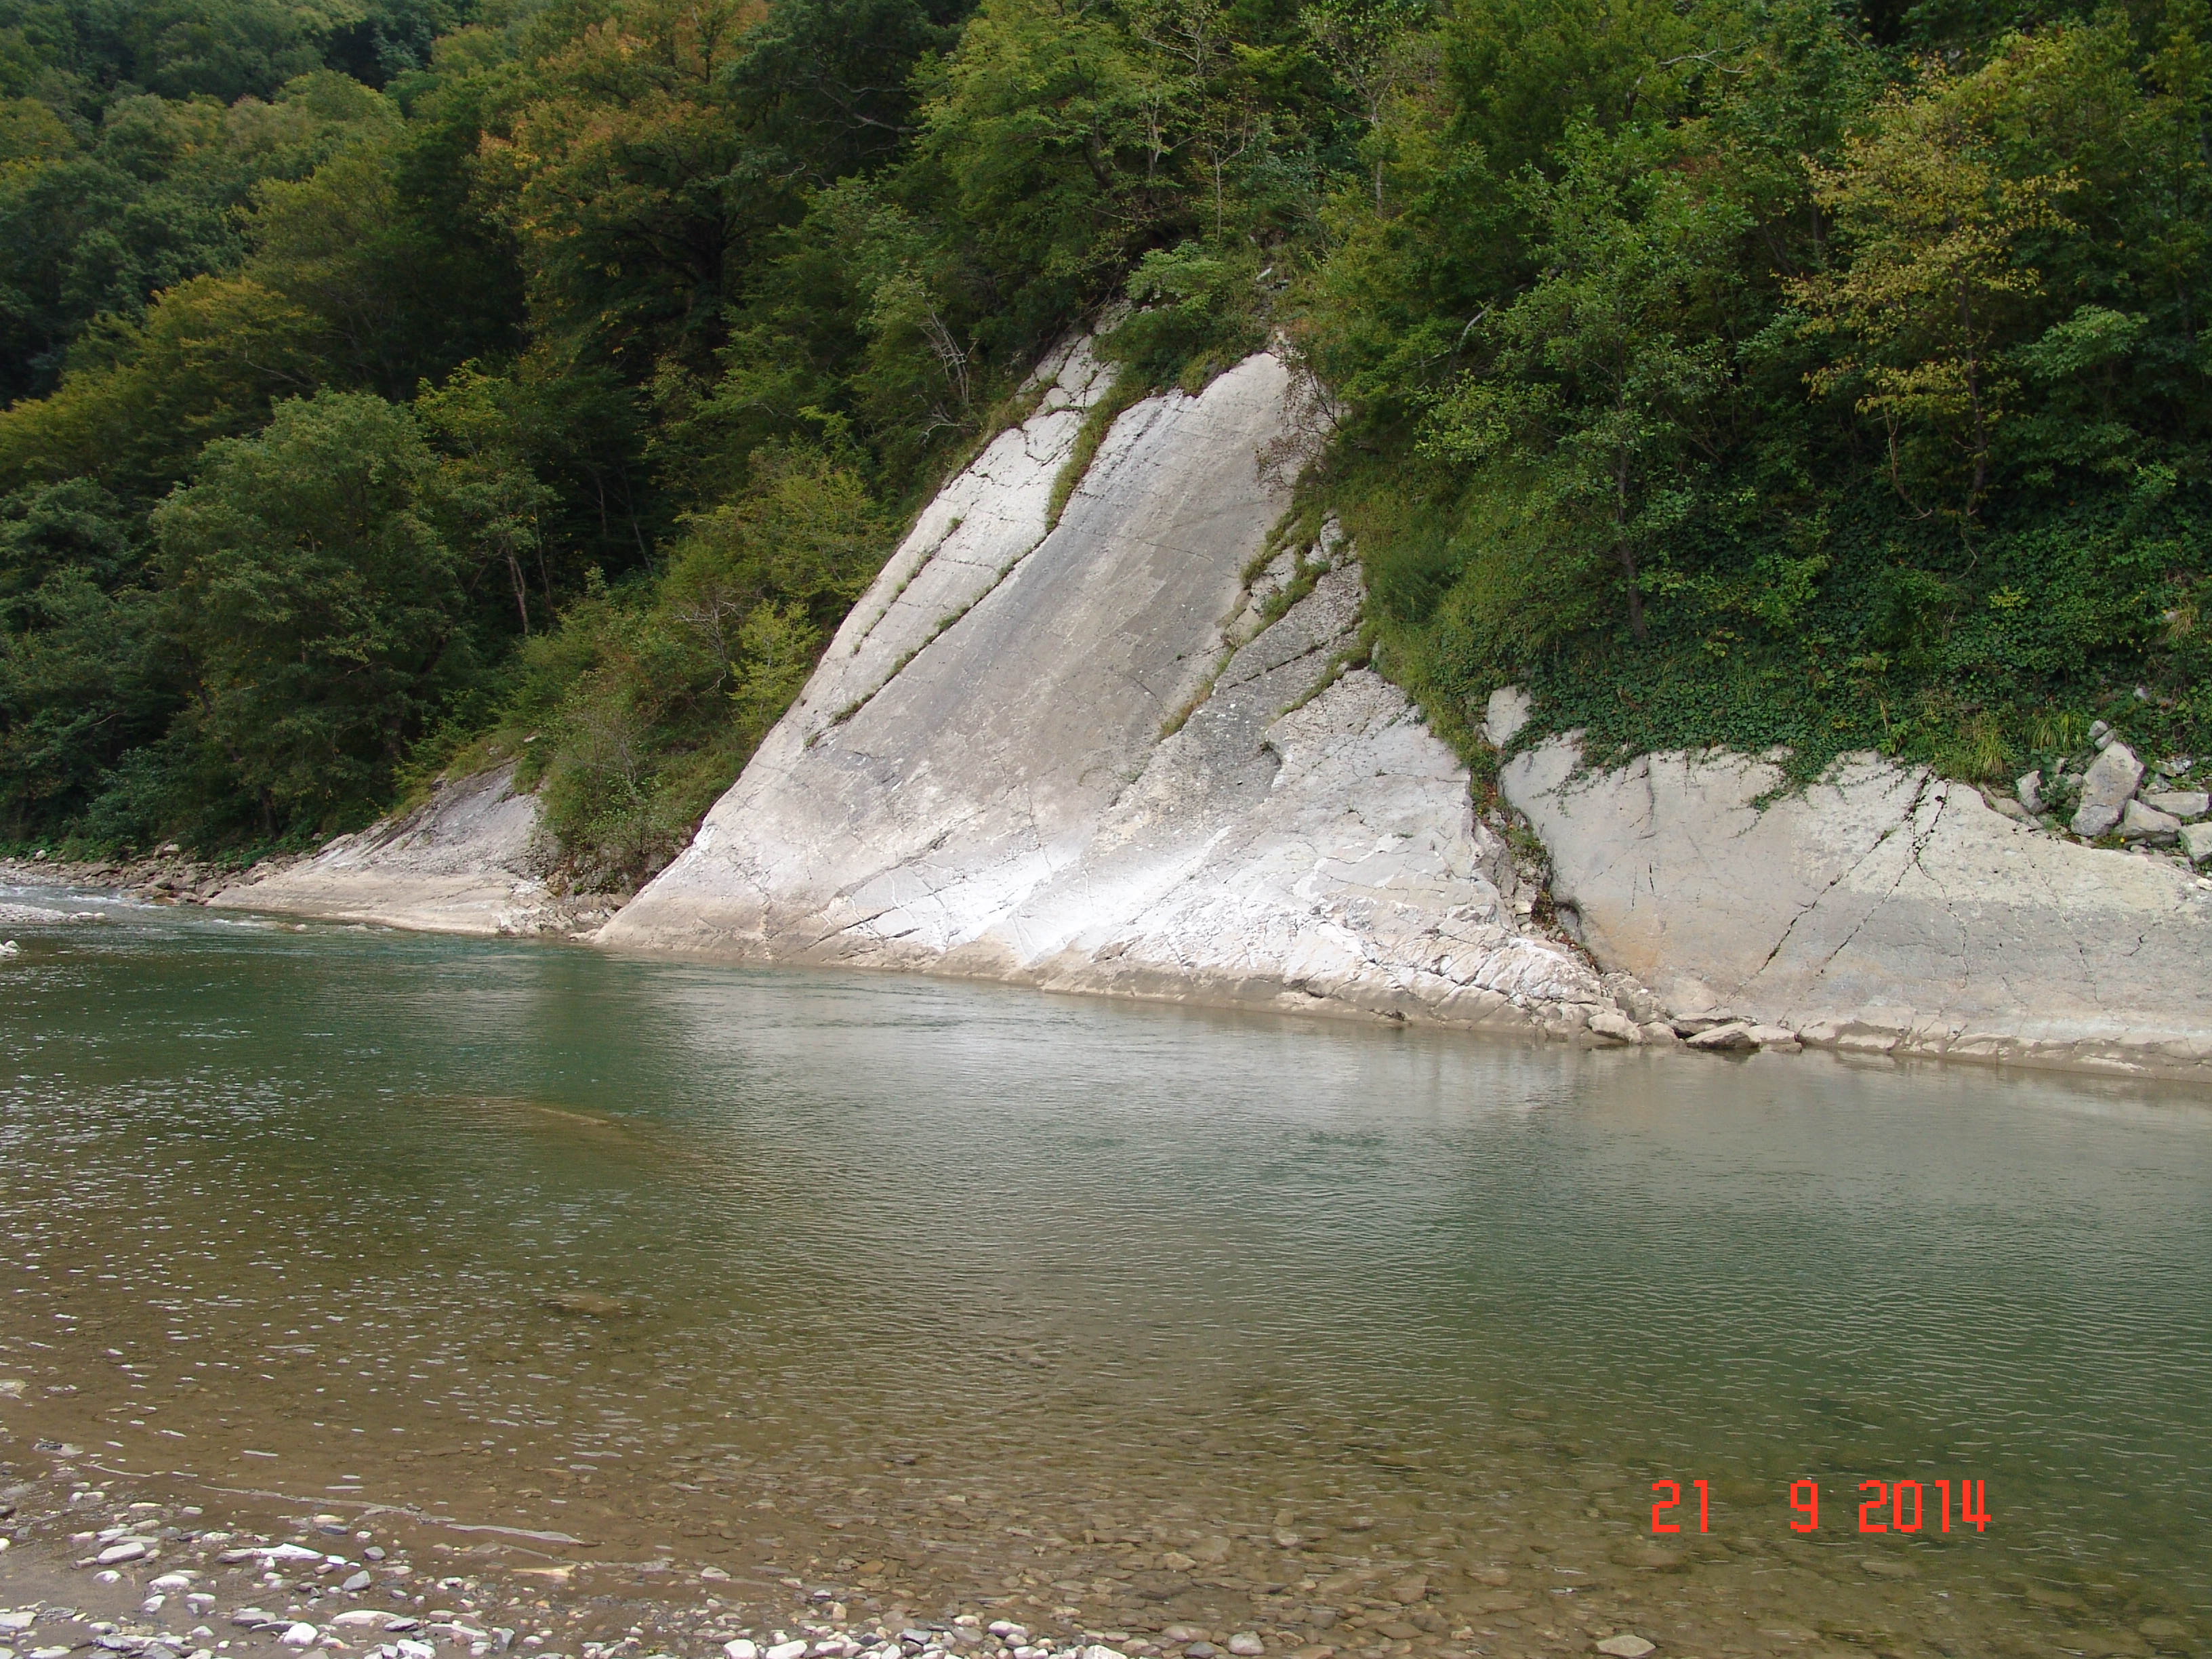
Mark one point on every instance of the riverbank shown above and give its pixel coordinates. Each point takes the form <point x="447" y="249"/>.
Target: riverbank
<point x="470" y="860"/>
<point x="106" y="1563"/>
<point x="160" y="1568"/>
<point x="1105" y="723"/>
<point x="172" y="877"/>
<point x="1880" y="910"/>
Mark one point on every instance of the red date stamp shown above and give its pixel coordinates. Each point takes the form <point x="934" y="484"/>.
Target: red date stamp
<point x="1896" y="1505"/>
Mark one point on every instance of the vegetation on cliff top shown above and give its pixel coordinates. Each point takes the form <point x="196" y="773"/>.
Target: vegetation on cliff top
<point x="397" y="381"/>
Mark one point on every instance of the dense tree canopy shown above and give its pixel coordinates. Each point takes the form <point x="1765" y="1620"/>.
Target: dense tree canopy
<point x="392" y="381"/>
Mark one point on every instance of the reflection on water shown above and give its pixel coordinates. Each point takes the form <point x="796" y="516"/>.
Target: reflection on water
<point x="947" y="1289"/>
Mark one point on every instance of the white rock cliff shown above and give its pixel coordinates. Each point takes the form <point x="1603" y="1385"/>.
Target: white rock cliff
<point x="1882" y="910"/>
<point x="1068" y="758"/>
<point x="1120" y="755"/>
<point x="466" y="861"/>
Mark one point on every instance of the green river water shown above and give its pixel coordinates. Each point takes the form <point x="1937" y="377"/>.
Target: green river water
<point x="1115" y="1314"/>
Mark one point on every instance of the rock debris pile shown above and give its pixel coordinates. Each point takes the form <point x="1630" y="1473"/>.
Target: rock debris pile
<point x="2111" y="794"/>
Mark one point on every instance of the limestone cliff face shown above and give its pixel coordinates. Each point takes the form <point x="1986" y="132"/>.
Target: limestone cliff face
<point x="1882" y="910"/>
<point x="1120" y="754"/>
<point x="467" y="861"/>
<point x="1070" y="759"/>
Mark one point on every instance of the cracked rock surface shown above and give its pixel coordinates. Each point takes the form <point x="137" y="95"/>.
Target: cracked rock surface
<point x="1883" y="909"/>
<point x="968" y="539"/>
<point x="1086" y="760"/>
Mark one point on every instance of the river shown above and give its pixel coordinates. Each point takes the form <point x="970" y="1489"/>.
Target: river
<point x="1111" y="1315"/>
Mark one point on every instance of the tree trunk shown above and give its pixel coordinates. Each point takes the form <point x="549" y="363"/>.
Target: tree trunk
<point x="521" y="595"/>
<point x="1623" y="554"/>
<point x="1981" y="442"/>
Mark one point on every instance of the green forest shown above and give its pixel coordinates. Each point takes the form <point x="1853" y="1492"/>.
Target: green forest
<point x="392" y="386"/>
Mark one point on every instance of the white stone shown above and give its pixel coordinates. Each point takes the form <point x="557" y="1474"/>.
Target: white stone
<point x="1247" y="1644"/>
<point x="1505" y="714"/>
<point x="2030" y="790"/>
<point x="300" y="1636"/>
<point x="130" y="1549"/>
<point x="2196" y="841"/>
<point x="740" y="1649"/>
<point x="2110" y="778"/>
<point x="788" y="1651"/>
<point x="1625" y="1646"/>
<point x="467" y="861"/>
<point x="1778" y="1038"/>
<point x="1723" y="1039"/>
<point x="2142" y="822"/>
<point x="1607" y="1023"/>
<point x="2187" y="804"/>
<point x="1879" y="910"/>
<point x="172" y="1581"/>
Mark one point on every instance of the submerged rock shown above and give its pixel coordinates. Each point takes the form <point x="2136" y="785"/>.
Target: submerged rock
<point x="1733" y="1037"/>
<point x="587" y="1304"/>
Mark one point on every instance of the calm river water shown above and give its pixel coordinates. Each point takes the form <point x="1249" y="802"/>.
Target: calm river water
<point x="1118" y="1314"/>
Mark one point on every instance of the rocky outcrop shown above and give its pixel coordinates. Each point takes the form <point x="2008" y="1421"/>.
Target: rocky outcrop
<point x="466" y="861"/>
<point x="40" y="915"/>
<point x="2113" y="793"/>
<point x="1882" y="909"/>
<point x="1113" y="757"/>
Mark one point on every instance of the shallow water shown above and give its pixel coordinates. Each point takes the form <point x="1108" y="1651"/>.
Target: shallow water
<point x="938" y="1291"/>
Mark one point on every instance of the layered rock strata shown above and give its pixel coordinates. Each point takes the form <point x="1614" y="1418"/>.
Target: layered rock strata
<point x="1882" y="910"/>
<point x="1110" y="757"/>
<point x="466" y="861"/>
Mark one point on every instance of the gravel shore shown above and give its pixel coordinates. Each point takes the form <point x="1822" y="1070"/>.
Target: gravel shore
<point x="100" y="1566"/>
